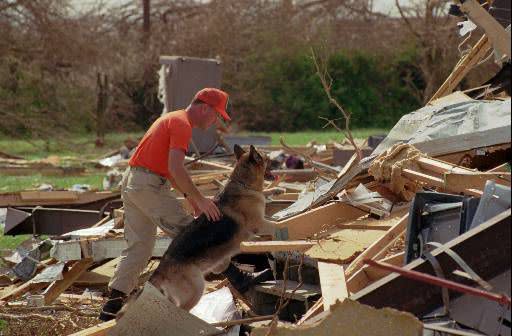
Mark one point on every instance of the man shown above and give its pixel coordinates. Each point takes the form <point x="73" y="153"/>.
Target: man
<point x="156" y="165"/>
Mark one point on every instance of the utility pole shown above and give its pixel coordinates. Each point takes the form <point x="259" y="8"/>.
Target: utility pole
<point x="146" y="21"/>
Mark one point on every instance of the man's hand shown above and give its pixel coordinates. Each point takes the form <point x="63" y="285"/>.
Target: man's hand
<point x="209" y="208"/>
<point x="194" y="206"/>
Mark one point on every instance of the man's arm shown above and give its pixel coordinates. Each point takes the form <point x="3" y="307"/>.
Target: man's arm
<point x="185" y="185"/>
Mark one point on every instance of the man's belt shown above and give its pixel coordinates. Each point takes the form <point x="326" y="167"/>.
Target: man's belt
<point x="148" y="171"/>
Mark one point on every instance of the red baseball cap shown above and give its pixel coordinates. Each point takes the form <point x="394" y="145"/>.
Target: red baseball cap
<point x="216" y="98"/>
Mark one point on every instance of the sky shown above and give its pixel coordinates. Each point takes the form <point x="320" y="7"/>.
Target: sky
<point x="383" y="6"/>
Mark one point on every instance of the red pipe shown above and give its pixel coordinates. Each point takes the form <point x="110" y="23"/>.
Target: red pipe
<point x="430" y="279"/>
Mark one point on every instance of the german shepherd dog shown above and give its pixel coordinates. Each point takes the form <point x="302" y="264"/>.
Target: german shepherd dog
<point x="203" y="246"/>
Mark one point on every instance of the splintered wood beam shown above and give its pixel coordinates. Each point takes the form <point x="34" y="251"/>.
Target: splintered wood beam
<point x="276" y="246"/>
<point x="97" y="330"/>
<point x="59" y="286"/>
<point x="477" y="53"/>
<point x="500" y="39"/>
<point x="457" y="181"/>
<point x="309" y="223"/>
<point x="441" y="167"/>
<point x="375" y="248"/>
<point x="424" y="178"/>
<point x="437" y="182"/>
<point x="332" y="283"/>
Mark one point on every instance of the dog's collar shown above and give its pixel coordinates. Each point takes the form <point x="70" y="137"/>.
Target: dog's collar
<point x="245" y="186"/>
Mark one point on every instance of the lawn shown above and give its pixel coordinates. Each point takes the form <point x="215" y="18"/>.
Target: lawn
<point x="10" y="242"/>
<point x="83" y="146"/>
<point x="15" y="183"/>
<point x="79" y="146"/>
<point x="321" y="137"/>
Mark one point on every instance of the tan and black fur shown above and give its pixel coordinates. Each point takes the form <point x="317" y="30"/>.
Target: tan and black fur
<point x="203" y="246"/>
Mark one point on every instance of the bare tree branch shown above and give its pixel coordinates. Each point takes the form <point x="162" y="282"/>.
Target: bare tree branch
<point x="326" y="80"/>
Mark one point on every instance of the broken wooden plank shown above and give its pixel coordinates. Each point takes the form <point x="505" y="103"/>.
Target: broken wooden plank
<point x="362" y="227"/>
<point x="58" y="195"/>
<point x="66" y="297"/>
<point x="476" y="54"/>
<point x="378" y="245"/>
<point x="59" y="286"/>
<point x="476" y="180"/>
<point x="276" y="246"/>
<point x="275" y="287"/>
<point x="436" y="182"/>
<point x="206" y="164"/>
<point x="286" y="197"/>
<point x="332" y="283"/>
<point x="22" y="289"/>
<point x="100" y="275"/>
<point x="307" y="224"/>
<point x="101" y="249"/>
<point x="441" y="167"/>
<point x="499" y="38"/>
<point x="15" y="199"/>
<point x="97" y="330"/>
<point x="296" y="175"/>
<point x="153" y="314"/>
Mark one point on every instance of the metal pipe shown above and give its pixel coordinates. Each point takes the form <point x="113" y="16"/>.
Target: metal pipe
<point x="430" y="279"/>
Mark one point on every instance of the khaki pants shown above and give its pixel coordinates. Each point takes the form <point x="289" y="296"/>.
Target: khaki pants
<point x="148" y="203"/>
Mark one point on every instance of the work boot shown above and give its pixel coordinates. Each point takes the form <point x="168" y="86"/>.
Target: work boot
<point x="113" y="305"/>
<point x="242" y="281"/>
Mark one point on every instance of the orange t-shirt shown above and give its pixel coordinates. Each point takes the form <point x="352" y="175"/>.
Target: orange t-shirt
<point x="171" y="131"/>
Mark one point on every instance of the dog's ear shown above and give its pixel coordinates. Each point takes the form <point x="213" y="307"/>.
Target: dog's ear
<point x="255" y="156"/>
<point x="238" y="151"/>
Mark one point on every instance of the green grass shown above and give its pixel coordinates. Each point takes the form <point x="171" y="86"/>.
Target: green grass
<point x="321" y="137"/>
<point x="16" y="183"/>
<point x="11" y="242"/>
<point x="81" y="146"/>
<point x="3" y="324"/>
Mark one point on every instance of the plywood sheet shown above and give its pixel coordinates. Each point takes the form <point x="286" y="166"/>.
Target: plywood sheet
<point x="345" y="246"/>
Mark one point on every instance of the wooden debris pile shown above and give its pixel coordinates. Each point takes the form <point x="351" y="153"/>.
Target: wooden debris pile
<point x="337" y="220"/>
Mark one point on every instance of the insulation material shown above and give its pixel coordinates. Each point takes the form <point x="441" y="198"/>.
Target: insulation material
<point x="218" y="306"/>
<point x="92" y="231"/>
<point x="354" y="319"/>
<point x="387" y="168"/>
